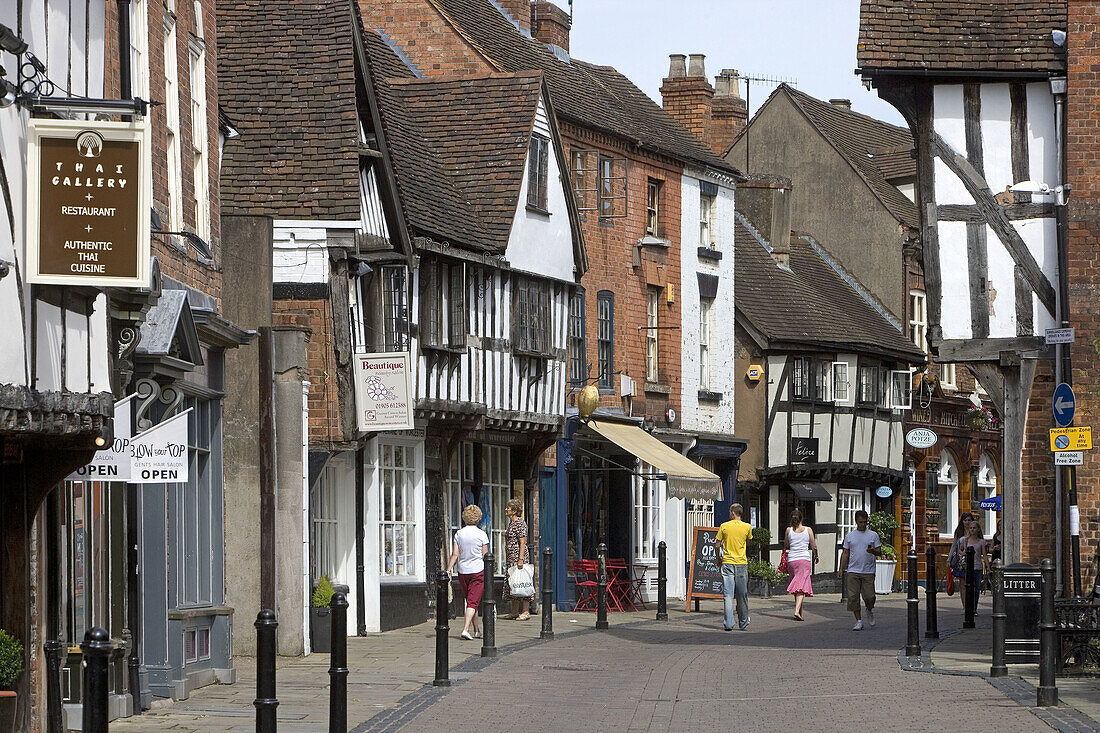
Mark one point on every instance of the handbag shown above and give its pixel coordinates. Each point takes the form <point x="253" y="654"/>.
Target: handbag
<point x="782" y="567"/>
<point x="950" y="584"/>
<point x="521" y="581"/>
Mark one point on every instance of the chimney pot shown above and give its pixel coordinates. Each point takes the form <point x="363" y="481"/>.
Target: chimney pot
<point x="721" y="86"/>
<point x="695" y="65"/>
<point x="735" y="87"/>
<point x="845" y="104"/>
<point x="677" y="67"/>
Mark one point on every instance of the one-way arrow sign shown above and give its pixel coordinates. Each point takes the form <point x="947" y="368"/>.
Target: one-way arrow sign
<point x="1064" y="405"/>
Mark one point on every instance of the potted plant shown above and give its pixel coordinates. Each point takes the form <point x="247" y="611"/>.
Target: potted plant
<point x="763" y="578"/>
<point x="11" y="667"/>
<point x="980" y="418"/>
<point x="758" y="543"/>
<point x="320" y="621"/>
<point x="884" y="524"/>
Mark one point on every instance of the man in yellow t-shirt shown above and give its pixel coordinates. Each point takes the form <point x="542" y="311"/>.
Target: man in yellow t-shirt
<point x="732" y="539"/>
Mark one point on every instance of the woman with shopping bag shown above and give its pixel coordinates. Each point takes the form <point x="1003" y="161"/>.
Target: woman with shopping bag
<point x="519" y="572"/>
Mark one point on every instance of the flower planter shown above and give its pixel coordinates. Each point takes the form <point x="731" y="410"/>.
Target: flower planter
<point x="9" y="705"/>
<point x="884" y="576"/>
<point x="320" y="630"/>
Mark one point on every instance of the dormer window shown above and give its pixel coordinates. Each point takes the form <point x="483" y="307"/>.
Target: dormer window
<point x="537" y="172"/>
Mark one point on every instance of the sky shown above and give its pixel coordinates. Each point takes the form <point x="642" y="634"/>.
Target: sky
<point x="811" y="44"/>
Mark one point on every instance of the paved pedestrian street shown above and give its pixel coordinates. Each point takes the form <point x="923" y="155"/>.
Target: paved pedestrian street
<point x="642" y="675"/>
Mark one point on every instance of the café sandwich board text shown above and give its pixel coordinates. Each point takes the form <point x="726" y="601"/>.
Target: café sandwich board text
<point x="89" y="193"/>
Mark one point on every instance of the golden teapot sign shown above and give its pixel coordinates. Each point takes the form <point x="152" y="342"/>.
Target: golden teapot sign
<point x="89" y="193"/>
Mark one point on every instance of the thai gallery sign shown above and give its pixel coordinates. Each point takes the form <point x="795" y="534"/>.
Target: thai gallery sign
<point x="159" y="455"/>
<point x="803" y="450"/>
<point x="383" y="391"/>
<point x="113" y="463"/>
<point x="89" y="192"/>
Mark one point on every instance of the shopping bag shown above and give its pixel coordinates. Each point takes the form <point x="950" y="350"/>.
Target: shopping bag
<point x="521" y="581"/>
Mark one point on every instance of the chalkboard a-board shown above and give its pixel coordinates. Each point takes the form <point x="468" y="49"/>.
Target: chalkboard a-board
<point x="705" y="575"/>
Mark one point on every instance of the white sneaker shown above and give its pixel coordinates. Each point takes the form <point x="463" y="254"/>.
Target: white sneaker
<point x="477" y="634"/>
<point x="870" y="616"/>
<point x="858" y="626"/>
<point x="466" y="635"/>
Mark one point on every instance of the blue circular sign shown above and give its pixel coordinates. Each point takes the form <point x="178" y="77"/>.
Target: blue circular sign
<point x="883" y="492"/>
<point x="1063" y="405"/>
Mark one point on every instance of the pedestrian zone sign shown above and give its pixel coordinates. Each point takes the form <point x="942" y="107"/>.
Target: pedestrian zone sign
<point x="1071" y="439"/>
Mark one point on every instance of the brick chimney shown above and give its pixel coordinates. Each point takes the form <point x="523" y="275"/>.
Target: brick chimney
<point x="729" y="113"/>
<point x="766" y="202"/>
<point x="844" y="104"/>
<point x="519" y="10"/>
<point x="687" y="95"/>
<point x="550" y="24"/>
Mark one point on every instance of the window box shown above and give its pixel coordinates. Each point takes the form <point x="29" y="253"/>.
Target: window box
<point x="706" y="253"/>
<point x="705" y="395"/>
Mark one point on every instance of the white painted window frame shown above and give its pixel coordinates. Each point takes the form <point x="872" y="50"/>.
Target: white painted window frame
<point x="199" y="162"/>
<point x="652" y="310"/>
<point x="412" y="477"/>
<point x="841" y="386"/>
<point x="987" y="484"/>
<point x="948" y="485"/>
<point x="918" y="319"/>
<point x="647" y="501"/>
<point x="900" y="389"/>
<point x="172" y="125"/>
<point x="706" y="319"/>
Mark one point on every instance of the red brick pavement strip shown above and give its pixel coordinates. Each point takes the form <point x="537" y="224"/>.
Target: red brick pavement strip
<point x="689" y="674"/>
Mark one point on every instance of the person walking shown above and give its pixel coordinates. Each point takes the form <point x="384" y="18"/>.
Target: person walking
<point x="731" y="540"/>
<point x="801" y="547"/>
<point x="515" y="544"/>
<point x="468" y="552"/>
<point x="862" y="547"/>
<point x="973" y="537"/>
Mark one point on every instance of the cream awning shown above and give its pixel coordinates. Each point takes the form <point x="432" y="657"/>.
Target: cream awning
<point x="686" y="479"/>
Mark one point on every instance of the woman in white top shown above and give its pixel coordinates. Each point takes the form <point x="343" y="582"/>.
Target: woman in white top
<point x="801" y="550"/>
<point x="470" y="545"/>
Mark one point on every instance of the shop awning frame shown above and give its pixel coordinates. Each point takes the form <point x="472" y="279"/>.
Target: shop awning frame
<point x="685" y="478"/>
<point x="810" y="491"/>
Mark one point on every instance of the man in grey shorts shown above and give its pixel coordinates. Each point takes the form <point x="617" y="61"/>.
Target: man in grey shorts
<point x="862" y="547"/>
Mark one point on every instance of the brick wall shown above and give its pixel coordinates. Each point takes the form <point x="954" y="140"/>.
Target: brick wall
<point x="688" y="99"/>
<point x="429" y="39"/>
<point x="324" y="404"/>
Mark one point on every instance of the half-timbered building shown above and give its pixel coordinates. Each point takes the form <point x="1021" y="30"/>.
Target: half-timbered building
<point x="828" y="375"/>
<point x="984" y="100"/>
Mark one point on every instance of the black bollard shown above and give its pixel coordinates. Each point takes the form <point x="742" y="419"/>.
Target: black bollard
<point x="96" y="648"/>
<point x="547" y="594"/>
<point x="1000" y="618"/>
<point x="971" y="605"/>
<point x="338" y="665"/>
<point x="912" y="606"/>
<point x="662" y="582"/>
<point x="601" y="587"/>
<point x="442" y="667"/>
<point x="1046" y="694"/>
<point x="265" y="701"/>
<point x="54" y="718"/>
<point x="489" y="610"/>
<point x="932" y="628"/>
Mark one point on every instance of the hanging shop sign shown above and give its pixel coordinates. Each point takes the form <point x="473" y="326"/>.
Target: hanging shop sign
<point x="159" y="455"/>
<point x="803" y="450"/>
<point x="921" y="438"/>
<point x="113" y="463"/>
<point x="89" y="193"/>
<point x="383" y="391"/>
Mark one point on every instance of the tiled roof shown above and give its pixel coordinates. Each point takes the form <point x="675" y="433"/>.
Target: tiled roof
<point x="286" y="78"/>
<point x="959" y="35"/>
<point x="594" y="96"/>
<point x="877" y="150"/>
<point x="809" y="303"/>
<point x="480" y="128"/>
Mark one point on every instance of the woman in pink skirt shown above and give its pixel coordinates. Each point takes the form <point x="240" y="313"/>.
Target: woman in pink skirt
<point x="801" y="550"/>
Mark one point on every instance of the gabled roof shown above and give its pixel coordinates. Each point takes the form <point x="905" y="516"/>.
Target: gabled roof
<point x="594" y="96"/>
<point x="480" y="128"/>
<point x="169" y="325"/>
<point x="286" y="78"/>
<point x="878" y="151"/>
<point x="811" y="303"/>
<point x="959" y="35"/>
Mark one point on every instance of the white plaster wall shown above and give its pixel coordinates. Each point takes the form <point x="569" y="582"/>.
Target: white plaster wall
<point x="707" y="416"/>
<point x="777" y="438"/>
<point x="954" y="280"/>
<point x="539" y="243"/>
<point x="300" y="253"/>
<point x="1041" y="237"/>
<point x="996" y="118"/>
<point x="1042" y="149"/>
<point x="1001" y="269"/>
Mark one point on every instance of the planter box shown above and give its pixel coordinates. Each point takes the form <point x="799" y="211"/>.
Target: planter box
<point x="320" y="630"/>
<point x="884" y="576"/>
<point x="9" y="706"/>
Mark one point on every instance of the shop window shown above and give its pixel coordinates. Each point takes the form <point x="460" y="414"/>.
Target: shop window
<point x="90" y="515"/>
<point x="987" y="488"/>
<point x="578" y="367"/>
<point x="496" y="479"/>
<point x="648" y="495"/>
<point x="199" y="528"/>
<point x="605" y="334"/>
<point x="848" y="502"/>
<point x="537" y="167"/>
<point x="652" y="372"/>
<point x="397" y="511"/>
<point x="948" y="484"/>
<point x="490" y="495"/>
<point x="324" y="525"/>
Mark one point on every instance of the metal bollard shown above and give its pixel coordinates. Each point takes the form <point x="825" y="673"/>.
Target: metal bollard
<point x="1046" y="694"/>
<point x="932" y="628"/>
<point x="97" y="649"/>
<point x="971" y="605"/>
<point x="662" y="582"/>
<point x="1000" y="618"/>
<point x="442" y="627"/>
<point x="338" y="665"/>
<point x="601" y="587"/>
<point x="54" y="721"/>
<point x="547" y="594"/>
<point x="489" y="612"/>
<point x="912" y="606"/>
<point x="265" y="701"/>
